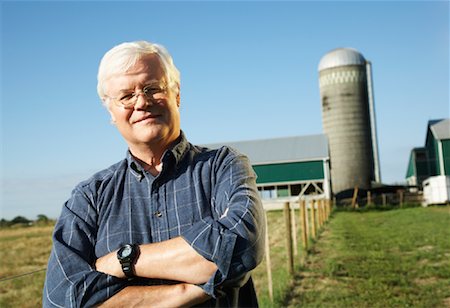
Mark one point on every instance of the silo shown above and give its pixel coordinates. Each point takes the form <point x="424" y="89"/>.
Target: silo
<point x="343" y="82"/>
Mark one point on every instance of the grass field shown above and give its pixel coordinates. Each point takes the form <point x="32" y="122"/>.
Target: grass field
<point x="23" y="250"/>
<point x="394" y="258"/>
<point x="397" y="258"/>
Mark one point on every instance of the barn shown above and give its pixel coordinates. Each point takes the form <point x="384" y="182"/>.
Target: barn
<point x="288" y="166"/>
<point x="434" y="157"/>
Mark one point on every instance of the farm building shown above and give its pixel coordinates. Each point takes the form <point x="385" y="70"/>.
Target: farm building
<point x="288" y="166"/>
<point x="418" y="169"/>
<point x="348" y="118"/>
<point x="432" y="159"/>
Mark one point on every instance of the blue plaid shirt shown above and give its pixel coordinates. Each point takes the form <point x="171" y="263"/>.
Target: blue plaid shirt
<point x="208" y="197"/>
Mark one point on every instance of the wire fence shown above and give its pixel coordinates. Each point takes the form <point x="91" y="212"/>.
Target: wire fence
<point x="22" y="275"/>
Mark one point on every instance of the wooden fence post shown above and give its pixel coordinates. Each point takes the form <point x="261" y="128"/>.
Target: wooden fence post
<point x="369" y="197"/>
<point x="319" y="214"/>
<point x="400" y="192"/>
<point x="322" y="211"/>
<point x="308" y="221"/>
<point x="355" y="196"/>
<point x="383" y="196"/>
<point x="303" y="218"/>
<point x="313" y="219"/>
<point x="287" y="220"/>
<point x="328" y="209"/>
<point x="294" y="230"/>
<point x="268" y="264"/>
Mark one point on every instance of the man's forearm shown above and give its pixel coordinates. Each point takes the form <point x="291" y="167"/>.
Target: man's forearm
<point x="174" y="259"/>
<point x="177" y="295"/>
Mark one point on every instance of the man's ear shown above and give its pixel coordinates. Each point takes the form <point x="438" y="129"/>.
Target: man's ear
<point x="113" y="119"/>
<point x="178" y="96"/>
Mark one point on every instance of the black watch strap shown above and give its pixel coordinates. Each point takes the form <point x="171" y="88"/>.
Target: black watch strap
<point x="127" y="256"/>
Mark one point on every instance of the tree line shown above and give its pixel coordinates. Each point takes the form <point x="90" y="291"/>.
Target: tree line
<point x="23" y="221"/>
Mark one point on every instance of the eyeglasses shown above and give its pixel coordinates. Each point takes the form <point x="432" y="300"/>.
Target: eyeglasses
<point x="152" y="93"/>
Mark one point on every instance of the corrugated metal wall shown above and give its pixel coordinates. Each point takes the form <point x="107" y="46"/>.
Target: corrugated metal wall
<point x="289" y="172"/>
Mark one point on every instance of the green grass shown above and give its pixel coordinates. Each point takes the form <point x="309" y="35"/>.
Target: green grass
<point x="397" y="258"/>
<point x="23" y="250"/>
<point x="278" y="256"/>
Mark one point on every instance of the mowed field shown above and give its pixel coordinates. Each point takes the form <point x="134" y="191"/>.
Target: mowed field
<point x="23" y="250"/>
<point x="396" y="258"/>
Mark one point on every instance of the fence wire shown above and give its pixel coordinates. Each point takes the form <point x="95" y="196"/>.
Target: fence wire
<point x="22" y="275"/>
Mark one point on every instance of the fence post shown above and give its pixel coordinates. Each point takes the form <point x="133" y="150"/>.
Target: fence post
<point x="369" y="197"/>
<point x="355" y="196"/>
<point x="294" y="230"/>
<point x="328" y="209"/>
<point x="303" y="218"/>
<point x="322" y="211"/>
<point x="313" y="219"/>
<point x="287" y="220"/>
<point x="268" y="264"/>
<point x="400" y="192"/>
<point x="308" y="221"/>
<point x="383" y="196"/>
<point x="319" y="215"/>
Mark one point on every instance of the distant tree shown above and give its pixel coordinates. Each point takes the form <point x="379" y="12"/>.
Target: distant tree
<point x="4" y="223"/>
<point x="42" y="218"/>
<point x="20" y="220"/>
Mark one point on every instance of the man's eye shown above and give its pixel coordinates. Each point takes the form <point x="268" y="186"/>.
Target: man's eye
<point x="152" y="90"/>
<point x="126" y="97"/>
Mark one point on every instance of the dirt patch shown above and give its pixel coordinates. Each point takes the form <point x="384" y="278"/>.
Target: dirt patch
<point x="423" y="262"/>
<point x="426" y="248"/>
<point x="426" y="281"/>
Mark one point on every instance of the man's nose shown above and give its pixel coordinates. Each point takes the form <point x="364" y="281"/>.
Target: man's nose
<point x="142" y="101"/>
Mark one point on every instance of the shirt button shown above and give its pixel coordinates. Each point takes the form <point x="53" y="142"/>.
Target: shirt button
<point x="158" y="214"/>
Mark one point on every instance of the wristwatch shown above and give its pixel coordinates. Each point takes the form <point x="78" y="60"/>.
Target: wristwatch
<point x="127" y="256"/>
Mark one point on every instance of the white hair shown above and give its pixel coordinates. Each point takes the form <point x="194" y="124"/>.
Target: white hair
<point x="122" y="57"/>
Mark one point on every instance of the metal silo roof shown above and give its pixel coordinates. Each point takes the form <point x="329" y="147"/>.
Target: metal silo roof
<point x="441" y="129"/>
<point x="341" y="57"/>
<point x="278" y="150"/>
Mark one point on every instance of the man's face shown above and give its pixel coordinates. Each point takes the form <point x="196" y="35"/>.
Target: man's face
<point x="147" y="123"/>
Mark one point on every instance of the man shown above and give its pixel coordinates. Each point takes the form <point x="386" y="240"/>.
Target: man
<point x="170" y="225"/>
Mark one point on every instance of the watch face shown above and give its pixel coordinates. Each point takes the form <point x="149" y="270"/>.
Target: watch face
<point x="127" y="256"/>
<point x="126" y="251"/>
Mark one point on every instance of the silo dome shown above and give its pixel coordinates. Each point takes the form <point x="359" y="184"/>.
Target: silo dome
<point x="341" y="57"/>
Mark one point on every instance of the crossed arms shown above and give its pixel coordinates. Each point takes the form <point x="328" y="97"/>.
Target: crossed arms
<point x="206" y="255"/>
<point x="175" y="260"/>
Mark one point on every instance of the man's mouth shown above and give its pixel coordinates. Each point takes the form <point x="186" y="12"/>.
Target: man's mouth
<point x="148" y="117"/>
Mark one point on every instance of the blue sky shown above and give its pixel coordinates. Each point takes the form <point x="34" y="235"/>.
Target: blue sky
<point x="248" y="69"/>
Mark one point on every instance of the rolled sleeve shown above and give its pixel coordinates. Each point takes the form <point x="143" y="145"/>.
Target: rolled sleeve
<point x="71" y="280"/>
<point x="234" y="240"/>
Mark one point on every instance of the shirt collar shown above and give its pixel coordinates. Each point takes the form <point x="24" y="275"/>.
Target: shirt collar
<point x="179" y="148"/>
<point x="177" y="151"/>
